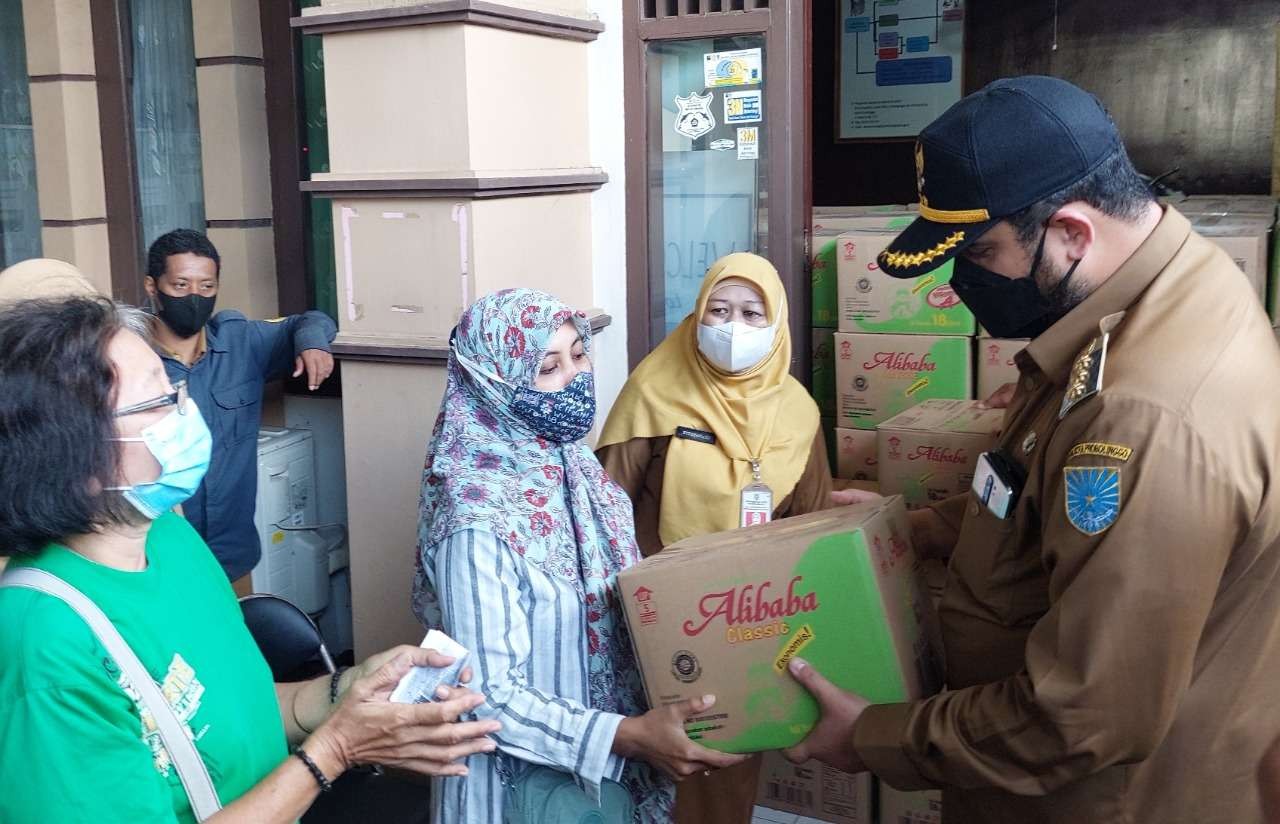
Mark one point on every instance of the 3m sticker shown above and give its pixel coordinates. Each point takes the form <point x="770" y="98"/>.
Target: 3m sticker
<point x="798" y="642"/>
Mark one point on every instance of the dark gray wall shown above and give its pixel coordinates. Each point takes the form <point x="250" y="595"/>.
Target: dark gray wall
<point x="1191" y="84"/>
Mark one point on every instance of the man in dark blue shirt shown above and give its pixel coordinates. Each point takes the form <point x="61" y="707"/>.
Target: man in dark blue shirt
<point x="226" y="359"/>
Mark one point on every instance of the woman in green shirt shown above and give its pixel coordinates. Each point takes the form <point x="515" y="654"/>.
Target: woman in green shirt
<point x="96" y="448"/>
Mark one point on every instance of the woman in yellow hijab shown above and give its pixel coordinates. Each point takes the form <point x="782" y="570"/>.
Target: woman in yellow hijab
<point x="711" y="433"/>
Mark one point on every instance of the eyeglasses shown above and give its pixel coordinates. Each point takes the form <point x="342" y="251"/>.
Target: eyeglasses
<point x="178" y="398"/>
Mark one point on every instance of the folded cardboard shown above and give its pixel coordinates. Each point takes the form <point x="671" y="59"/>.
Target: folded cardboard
<point x="878" y="376"/>
<point x="856" y="455"/>
<point x="824" y="371"/>
<point x="1192" y="205"/>
<point x="872" y="301"/>
<point x="897" y="807"/>
<point x="928" y="453"/>
<point x="724" y="614"/>
<point x="996" y="366"/>
<point x="814" y="790"/>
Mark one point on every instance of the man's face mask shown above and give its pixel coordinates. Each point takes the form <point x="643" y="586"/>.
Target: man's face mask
<point x="1009" y="307"/>
<point x="186" y="315"/>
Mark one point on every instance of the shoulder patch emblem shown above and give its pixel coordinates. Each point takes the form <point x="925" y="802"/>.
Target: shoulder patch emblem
<point x="1092" y="497"/>
<point x="1114" y="451"/>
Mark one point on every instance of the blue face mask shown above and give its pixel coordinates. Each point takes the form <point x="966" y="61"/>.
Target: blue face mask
<point x="562" y="416"/>
<point x="181" y="443"/>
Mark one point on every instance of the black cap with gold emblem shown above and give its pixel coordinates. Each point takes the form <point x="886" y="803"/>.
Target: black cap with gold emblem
<point x="993" y="154"/>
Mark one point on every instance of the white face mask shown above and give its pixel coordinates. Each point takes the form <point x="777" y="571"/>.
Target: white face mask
<point x="735" y="347"/>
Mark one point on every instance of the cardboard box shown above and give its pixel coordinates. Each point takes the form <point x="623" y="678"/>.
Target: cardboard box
<point x="928" y="453"/>
<point x="840" y="587"/>
<point x="995" y="363"/>
<point x="878" y="376"/>
<point x="1191" y="205"/>
<point x="897" y="807"/>
<point x="854" y="211"/>
<point x="872" y="301"/>
<point x="814" y="790"/>
<point x="845" y="483"/>
<point x="890" y="221"/>
<point x="856" y="454"/>
<point x="1246" y="239"/>
<point x="824" y="371"/>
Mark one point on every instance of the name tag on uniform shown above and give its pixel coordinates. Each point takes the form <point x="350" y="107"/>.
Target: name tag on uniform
<point x="996" y="484"/>
<point x="757" y="504"/>
<point x="699" y="435"/>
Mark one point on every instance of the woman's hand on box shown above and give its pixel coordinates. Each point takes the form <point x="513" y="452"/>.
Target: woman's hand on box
<point x="659" y="737"/>
<point x="1001" y="398"/>
<point x="831" y="741"/>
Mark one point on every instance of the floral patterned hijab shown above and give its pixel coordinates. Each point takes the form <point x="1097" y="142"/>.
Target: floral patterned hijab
<point x="551" y="503"/>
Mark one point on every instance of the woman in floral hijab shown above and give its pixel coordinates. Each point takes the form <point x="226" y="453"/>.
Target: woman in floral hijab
<point x="521" y="534"/>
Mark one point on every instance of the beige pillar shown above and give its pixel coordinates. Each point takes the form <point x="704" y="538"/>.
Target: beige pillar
<point x="64" y="117"/>
<point x="231" y="90"/>
<point x="459" y="149"/>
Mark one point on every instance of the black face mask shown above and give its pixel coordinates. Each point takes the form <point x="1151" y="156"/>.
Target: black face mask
<point x="187" y="315"/>
<point x="1008" y="307"/>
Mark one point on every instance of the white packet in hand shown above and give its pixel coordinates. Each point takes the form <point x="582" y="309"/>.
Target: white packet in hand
<point x="419" y="685"/>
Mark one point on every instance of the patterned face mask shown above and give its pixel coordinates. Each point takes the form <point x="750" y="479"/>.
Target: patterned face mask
<point x="563" y="416"/>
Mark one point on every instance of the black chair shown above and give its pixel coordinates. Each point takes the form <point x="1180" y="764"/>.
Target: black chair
<point x="289" y="639"/>
<point x="294" y="649"/>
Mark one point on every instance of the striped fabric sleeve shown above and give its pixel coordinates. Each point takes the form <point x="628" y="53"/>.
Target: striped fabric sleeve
<point x="480" y="588"/>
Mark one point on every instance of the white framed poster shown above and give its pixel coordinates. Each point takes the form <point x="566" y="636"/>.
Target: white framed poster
<point x="901" y="64"/>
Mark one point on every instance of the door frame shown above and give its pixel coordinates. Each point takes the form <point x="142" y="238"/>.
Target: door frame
<point x="785" y="25"/>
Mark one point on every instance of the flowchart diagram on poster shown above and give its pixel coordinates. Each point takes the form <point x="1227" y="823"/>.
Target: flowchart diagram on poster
<point x="900" y="64"/>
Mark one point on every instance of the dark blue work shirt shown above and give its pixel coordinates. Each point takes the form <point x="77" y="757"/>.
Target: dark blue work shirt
<point x="241" y="355"/>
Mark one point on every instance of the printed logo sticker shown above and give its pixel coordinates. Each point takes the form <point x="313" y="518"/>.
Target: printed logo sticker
<point x="693" y="115"/>
<point x="1092" y="497"/>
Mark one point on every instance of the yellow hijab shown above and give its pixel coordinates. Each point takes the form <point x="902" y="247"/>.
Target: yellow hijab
<point x="761" y="413"/>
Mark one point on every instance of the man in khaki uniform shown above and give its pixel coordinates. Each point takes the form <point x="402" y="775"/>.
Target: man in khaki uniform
<point x="1111" y="618"/>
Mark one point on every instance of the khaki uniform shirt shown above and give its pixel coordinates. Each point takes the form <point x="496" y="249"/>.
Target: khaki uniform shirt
<point x="1113" y="646"/>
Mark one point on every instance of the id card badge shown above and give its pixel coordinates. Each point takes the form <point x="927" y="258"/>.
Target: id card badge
<point x="757" y="504"/>
<point x="994" y="490"/>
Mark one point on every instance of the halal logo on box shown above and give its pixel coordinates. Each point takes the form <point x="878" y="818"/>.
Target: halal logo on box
<point x="685" y="667"/>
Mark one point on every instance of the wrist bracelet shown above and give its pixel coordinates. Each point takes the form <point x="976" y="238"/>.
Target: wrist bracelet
<point x="333" y="684"/>
<point x="325" y="786"/>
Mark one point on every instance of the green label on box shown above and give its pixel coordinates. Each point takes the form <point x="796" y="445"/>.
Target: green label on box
<point x="847" y="639"/>
<point x="823" y="275"/>
<point x="883" y="382"/>
<point x="926" y="305"/>
<point x="824" y="372"/>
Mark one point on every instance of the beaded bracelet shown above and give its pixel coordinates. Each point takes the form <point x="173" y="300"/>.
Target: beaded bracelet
<point x="333" y="684"/>
<point x="325" y="786"/>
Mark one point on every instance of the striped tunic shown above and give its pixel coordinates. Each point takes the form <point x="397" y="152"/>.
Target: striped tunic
<point x="493" y="603"/>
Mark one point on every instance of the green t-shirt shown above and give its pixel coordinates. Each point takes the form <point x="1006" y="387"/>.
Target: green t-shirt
<point x="73" y="743"/>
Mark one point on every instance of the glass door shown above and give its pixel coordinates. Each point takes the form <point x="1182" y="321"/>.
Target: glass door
<point x="717" y="158"/>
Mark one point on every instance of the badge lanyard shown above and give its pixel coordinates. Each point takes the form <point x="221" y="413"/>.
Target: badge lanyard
<point x="757" y="499"/>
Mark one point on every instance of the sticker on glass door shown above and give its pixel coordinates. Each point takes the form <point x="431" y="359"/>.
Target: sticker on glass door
<point x="693" y="115"/>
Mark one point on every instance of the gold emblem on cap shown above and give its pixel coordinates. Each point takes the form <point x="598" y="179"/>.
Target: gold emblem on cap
<point x="903" y="260"/>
